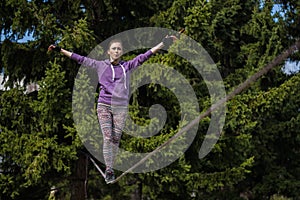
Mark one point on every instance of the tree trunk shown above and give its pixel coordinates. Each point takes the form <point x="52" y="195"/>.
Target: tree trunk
<point x="79" y="179"/>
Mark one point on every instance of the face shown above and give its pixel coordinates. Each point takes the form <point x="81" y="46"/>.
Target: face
<point x="115" y="51"/>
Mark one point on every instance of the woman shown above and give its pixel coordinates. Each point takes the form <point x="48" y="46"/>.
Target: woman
<point x="114" y="94"/>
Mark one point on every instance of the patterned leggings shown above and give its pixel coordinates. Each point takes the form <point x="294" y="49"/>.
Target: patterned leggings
<point x="112" y="121"/>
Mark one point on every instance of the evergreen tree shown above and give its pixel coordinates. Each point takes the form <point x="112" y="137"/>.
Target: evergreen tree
<point x="241" y="37"/>
<point x="256" y="156"/>
<point x="44" y="148"/>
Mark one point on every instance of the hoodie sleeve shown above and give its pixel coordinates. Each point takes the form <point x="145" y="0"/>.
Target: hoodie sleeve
<point x="140" y="59"/>
<point x="83" y="60"/>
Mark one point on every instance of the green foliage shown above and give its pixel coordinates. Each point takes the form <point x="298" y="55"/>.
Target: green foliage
<point x="84" y="114"/>
<point x="277" y="140"/>
<point x="257" y="155"/>
<point x="78" y="36"/>
<point x="167" y="182"/>
<point x="14" y="109"/>
<point x="37" y="127"/>
<point x="279" y="197"/>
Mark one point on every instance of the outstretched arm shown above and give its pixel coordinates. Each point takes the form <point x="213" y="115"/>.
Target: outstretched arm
<point x="157" y="47"/>
<point x="88" y="62"/>
<point x="167" y="41"/>
<point x="53" y="47"/>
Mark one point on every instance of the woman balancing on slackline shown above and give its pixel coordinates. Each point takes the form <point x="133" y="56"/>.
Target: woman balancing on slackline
<point x="112" y="112"/>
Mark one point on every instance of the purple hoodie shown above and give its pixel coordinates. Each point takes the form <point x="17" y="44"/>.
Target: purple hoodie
<point x="113" y="79"/>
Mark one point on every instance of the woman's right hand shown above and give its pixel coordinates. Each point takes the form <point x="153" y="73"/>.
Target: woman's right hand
<point x="53" y="47"/>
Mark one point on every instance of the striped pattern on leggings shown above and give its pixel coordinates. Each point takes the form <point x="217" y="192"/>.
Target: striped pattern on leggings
<point x="112" y="120"/>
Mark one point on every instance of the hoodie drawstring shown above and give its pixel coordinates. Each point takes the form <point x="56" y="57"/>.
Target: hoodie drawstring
<point x="113" y="72"/>
<point x="124" y="73"/>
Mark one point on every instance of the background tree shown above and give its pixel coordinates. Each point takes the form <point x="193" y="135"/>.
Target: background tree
<point x="241" y="37"/>
<point x="256" y="156"/>
<point x="42" y="149"/>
